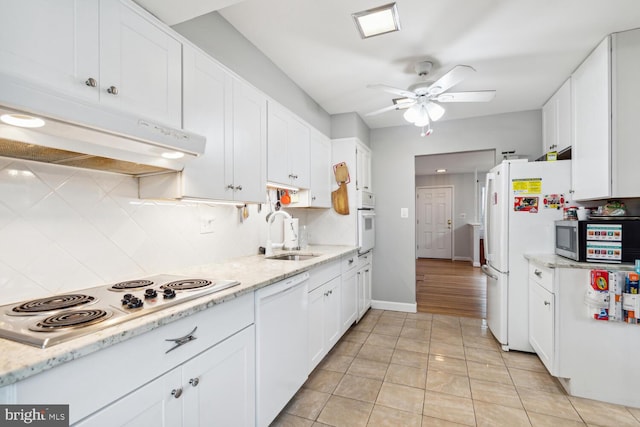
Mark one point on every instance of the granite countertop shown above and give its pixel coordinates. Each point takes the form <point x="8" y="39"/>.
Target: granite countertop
<point x="20" y="361"/>
<point x="556" y="261"/>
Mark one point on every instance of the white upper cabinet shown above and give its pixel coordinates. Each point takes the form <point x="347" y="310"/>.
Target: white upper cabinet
<point x="605" y="102"/>
<point x="556" y="120"/>
<point x="60" y="57"/>
<point x="320" y="171"/>
<point x="97" y="50"/>
<point x="246" y="136"/>
<point x="590" y="153"/>
<point x="288" y="148"/>
<point x="232" y="116"/>
<point x="140" y="65"/>
<point x="363" y="168"/>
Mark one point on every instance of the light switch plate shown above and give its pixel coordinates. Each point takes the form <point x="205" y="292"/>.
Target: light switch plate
<point x="404" y="212"/>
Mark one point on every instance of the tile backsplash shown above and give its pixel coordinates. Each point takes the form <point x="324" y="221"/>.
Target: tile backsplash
<point x="63" y="229"/>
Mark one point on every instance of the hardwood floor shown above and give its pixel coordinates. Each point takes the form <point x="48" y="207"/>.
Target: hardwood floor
<point x="450" y="287"/>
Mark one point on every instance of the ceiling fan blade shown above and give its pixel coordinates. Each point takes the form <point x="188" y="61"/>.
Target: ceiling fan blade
<point x="393" y="90"/>
<point x="452" y="78"/>
<point x="477" y="96"/>
<point x="389" y="108"/>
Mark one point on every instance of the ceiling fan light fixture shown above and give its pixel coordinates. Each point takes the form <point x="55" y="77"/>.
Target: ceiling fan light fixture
<point x="435" y="111"/>
<point x="379" y="20"/>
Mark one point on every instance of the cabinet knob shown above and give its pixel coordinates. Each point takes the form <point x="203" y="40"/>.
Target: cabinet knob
<point x="176" y="392"/>
<point x="547" y="303"/>
<point x="91" y="82"/>
<point x="351" y="261"/>
<point x="230" y="187"/>
<point x="112" y="90"/>
<point x="239" y="187"/>
<point x="313" y="198"/>
<point x="194" y="381"/>
<point x="538" y="273"/>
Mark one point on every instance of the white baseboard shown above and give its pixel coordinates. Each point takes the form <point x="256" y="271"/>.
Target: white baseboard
<point x="395" y="306"/>
<point x="462" y="258"/>
<point x="476" y="264"/>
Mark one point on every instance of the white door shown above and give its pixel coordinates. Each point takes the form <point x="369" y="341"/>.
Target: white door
<point x="434" y="222"/>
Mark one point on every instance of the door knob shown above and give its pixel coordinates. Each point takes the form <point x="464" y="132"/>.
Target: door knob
<point x="449" y="222"/>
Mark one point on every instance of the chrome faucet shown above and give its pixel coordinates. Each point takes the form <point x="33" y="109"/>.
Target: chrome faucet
<point x="269" y="246"/>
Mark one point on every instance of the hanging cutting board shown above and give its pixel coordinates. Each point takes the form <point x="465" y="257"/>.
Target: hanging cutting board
<point x="339" y="197"/>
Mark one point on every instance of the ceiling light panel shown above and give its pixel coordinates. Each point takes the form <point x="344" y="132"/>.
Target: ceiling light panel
<point x="376" y="21"/>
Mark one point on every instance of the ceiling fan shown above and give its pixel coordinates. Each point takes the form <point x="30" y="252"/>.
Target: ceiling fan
<point x="421" y="99"/>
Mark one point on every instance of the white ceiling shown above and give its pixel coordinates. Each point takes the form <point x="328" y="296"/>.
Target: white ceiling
<point x="523" y="49"/>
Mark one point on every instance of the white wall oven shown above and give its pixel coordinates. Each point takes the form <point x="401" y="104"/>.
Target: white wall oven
<point x="366" y="222"/>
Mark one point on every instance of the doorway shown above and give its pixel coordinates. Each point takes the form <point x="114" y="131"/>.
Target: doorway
<point x="434" y="222"/>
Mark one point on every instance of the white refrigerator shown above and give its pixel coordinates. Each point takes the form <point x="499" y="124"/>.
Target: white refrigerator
<point x="523" y="199"/>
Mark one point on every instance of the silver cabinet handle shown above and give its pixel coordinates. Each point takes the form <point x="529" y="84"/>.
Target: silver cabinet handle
<point x="230" y="187"/>
<point x="176" y="392"/>
<point x="112" y="90"/>
<point x="313" y="198"/>
<point x="538" y="273"/>
<point x="91" y="82"/>
<point x="351" y="261"/>
<point x="547" y="303"/>
<point x="194" y="381"/>
<point x="182" y="340"/>
<point x="239" y="187"/>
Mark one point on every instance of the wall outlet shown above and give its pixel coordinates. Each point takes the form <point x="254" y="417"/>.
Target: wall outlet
<point x="206" y="224"/>
<point x="404" y="212"/>
<point x="463" y="215"/>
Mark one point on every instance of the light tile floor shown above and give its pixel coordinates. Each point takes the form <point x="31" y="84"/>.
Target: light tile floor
<point x="398" y="369"/>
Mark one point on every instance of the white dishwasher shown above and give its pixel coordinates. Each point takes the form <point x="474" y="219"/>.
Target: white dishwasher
<point x="281" y="345"/>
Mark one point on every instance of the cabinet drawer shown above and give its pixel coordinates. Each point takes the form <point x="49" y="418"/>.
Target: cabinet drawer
<point x="349" y="262"/>
<point x="322" y="274"/>
<point x="542" y="275"/>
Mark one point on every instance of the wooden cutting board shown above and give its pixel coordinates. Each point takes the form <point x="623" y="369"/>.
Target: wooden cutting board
<point x="340" y="199"/>
<point x="341" y="172"/>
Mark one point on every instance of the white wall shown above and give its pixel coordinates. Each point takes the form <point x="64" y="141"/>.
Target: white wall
<point x="63" y="229"/>
<point x="213" y="34"/>
<point x="348" y="125"/>
<point x="464" y="202"/>
<point x="394" y="150"/>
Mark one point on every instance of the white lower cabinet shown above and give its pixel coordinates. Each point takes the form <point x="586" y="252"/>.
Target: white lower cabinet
<point x="363" y="279"/>
<point x="215" y="388"/>
<point x="542" y="327"/>
<point x="324" y="320"/>
<point x="349" y="301"/>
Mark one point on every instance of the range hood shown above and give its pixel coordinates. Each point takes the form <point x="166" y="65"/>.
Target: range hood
<point x="83" y="134"/>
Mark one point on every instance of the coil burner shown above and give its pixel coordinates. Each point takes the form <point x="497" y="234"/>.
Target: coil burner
<point x="71" y="319"/>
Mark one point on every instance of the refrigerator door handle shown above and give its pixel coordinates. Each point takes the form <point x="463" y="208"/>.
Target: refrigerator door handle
<point x="485" y="270"/>
<point x="490" y="178"/>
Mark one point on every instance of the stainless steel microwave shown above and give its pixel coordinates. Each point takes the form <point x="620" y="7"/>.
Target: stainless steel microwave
<point x="614" y="240"/>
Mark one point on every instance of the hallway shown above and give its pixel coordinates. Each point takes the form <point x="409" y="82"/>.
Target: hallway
<point x="454" y="288"/>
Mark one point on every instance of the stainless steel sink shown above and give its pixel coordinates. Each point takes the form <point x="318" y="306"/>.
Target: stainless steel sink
<point x="293" y="257"/>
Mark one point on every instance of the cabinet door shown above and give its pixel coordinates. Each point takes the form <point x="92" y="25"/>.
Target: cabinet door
<point x="317" y="345"/>
<point x="541" y="323"/>
<point x="277" y="155"/>
<point x="142" y="62"/>
<point x="331" y="314"/>
<point x="363" y="168"/>
<point x="591" y="151"/>
<point x="320" y="171"/>
<point x="204" y="114"/>
<point x="54" y="44"/>
<point x="298" y="147"/>
<point x="349" y="301"/>
<point x="563" y="116"/>
<point x="151" y="405"/>
<point x="249" y="137"/>
<point x="364" y="290"/>
<point x="219" y="384"/>
<point x="550" y="125"/>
